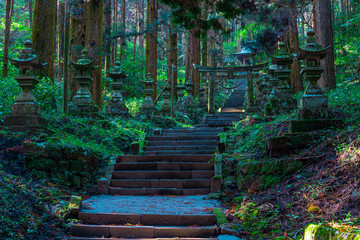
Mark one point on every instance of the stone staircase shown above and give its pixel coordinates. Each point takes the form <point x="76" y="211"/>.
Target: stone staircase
<point x="159" y="195"/>
<point x="232" y="111"/>
<point x="193" y="141"/>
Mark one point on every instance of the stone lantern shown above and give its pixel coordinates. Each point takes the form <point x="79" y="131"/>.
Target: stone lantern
<point x="314" y="112"/>
<point x="83" y="102"/>
<point x="189" y="100"/>
<point x="180" y="93"/>
<point x="148" y="106"/>
<point x="281" y="100"/>
<point x="166" y="105"/>
<point x="202" y="98"/>
<point x="25" y="112"/>
<point x="116" y="105"/>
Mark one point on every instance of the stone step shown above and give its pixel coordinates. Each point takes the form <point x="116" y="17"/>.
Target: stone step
<point x="183" y="143"/>
<point x="176" y="238"/>
<point x="165" y="158"/>
<point x="158" y="191"/>
<point x="223" y="117"/>
<point x="109" y="231"/>
<point x="174" y="166"/>
<point x="153" y="174"/>
<point x="181" y="148"/>
<point x="182" y="152"/>
<point x="192" y="130"/>
<point x="162" y="183"/>
<point x="148" y="219"/>
<point x="182" y="137"/>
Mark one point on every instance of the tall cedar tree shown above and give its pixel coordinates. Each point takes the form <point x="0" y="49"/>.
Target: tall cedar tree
<point x="9" y="11"/>
<point x="93" y="42"/>
<point x="151" y="43"/>
<point x="43" y="34"/>
<point x="324" y="32"/>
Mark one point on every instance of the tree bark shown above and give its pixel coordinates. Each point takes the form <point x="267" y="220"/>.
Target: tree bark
<point x="30" y="7"/>
<point x="9" y="11"/>
<point x="195" y="57"/>
<point x="43" y="34"/>
<point x="141" y="23"/>
<point x="123" y="28"/>
<point x="204" y="56"/>
<point x="188" y="56"/>
<point x="93" y="42"/>
<point x="115" y="42"/>
<point x="61" y="15"/>
<point x="324" y="32"/>
<point x="151" y="43"/>
<point x="77" y="39"/>
<point x="172" y="51"/>
<point x="292" y="43"/>
<point x="107" y="33"/>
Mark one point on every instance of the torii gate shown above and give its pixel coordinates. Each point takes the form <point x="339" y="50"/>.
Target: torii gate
<point x="230" y="70"/>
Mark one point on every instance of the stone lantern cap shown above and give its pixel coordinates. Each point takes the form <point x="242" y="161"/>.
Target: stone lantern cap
<point x="149" y="80"/>
<point x="189" y="83"/>
<point x="27" y="61"/>
<point x="312" y="49"/>
<point x="84" y="63"/>
<point x="116" y="72"/>
<point x="282" y="57"/>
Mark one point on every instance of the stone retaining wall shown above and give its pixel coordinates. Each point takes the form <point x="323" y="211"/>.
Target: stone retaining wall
<point x="260" y="175"/>
<point x="74" y="166"/>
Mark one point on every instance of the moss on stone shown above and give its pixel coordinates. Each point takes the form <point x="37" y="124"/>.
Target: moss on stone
<point x="220" y="216"/>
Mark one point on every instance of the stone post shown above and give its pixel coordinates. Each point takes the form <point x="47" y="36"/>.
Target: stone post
<point x="180" y="93"/>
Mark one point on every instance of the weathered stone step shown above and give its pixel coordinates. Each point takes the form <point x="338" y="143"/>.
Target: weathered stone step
<point x="148" y="219"/>
<point x="158" y="191"/>
<point x="223" y="117"/>
<point x="108" y="231"/>
<point x="183" y="143"/>
<point x="182" y="137"/>
<point x="165" y="158"/>
<point x="176" y="238"/>
<point x="174" y="166"/>
<point x="179" y="147"/>
<point x="192" y="130"/>
<point x="161" y="183"/>
<point x="153" y="174"/>
<point x="184" y="152"/>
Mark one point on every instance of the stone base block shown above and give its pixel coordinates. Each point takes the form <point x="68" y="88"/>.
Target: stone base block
<point x="27" y="120"/>
<point x="288" y="143"/>
<point x="83" y="110"/>
<point x="274" y="111"/>
<point x="298" y="126"/>
<point x="313" y="113"/>
<point x="215" y="184"/>
<point x="21" y="109"/>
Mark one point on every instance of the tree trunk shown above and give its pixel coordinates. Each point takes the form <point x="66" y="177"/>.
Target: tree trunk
<point x="93" y="41"/>
<point x="195" y="57"/>
<point x="9" y="11"/>
<point x="43" y="34"/>
<point x="115" y="42"/>
<point x="324" y="32"/>
<point x="172" y="51"/>
<point x="30" y="7"/>
<point x="135" y="29"/>
<point x="151" y="43"/>
<point x="141" y="23"/>
<point x="61" y="15"/>
<point x="204" y="55"/>
<point x="123" y="28"/>
<point x="188" y="56"/>
<point x="292" y="43"/>
<point x="107" y="33"/>
<point x="77" y="39"/>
